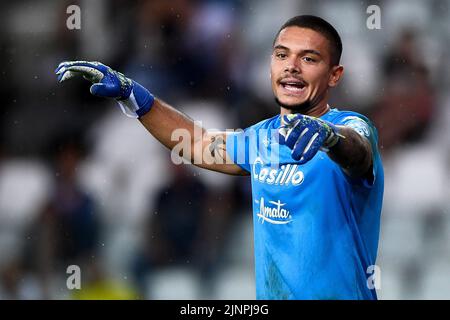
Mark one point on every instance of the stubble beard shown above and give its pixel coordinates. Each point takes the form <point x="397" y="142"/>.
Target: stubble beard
<point x="298" y="108"/>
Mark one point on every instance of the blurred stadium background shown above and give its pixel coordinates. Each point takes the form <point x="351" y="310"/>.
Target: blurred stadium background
<point x="81" y="184"/>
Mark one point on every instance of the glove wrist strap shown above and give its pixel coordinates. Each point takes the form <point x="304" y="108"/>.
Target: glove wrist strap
<point x="138" y="103"/>
<point x="129" y="106"/>
<point x="333" y="138"/>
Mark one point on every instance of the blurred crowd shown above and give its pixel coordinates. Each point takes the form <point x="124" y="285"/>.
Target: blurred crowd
<point x="80" y="184"/>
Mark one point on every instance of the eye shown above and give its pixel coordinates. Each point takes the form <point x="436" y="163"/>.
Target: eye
<point x="308" y="59"/>
<point x="281" y="55"/>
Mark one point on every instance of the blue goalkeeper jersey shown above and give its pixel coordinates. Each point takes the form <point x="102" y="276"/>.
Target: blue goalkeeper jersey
<point x="316" y="230"/>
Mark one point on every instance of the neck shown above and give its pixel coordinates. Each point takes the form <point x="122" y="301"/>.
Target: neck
<point x="316" y="111"/>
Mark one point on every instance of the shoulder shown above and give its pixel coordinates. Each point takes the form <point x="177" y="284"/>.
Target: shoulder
<point x="270" y="123"/>
<point x="340" y="116"/>
<point x="359" y="122"/>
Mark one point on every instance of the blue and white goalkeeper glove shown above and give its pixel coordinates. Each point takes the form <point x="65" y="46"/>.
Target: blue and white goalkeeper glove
<point x="134" y="99"/>
<point x="307" y="135"/>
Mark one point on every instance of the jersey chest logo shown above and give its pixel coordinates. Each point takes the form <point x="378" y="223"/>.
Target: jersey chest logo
<point x="285" y="175"/>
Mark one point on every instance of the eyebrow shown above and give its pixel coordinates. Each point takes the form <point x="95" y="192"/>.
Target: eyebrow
<point x="302" y="51"/>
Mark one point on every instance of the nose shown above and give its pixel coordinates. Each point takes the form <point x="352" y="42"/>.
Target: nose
<point x="292" y="66"/>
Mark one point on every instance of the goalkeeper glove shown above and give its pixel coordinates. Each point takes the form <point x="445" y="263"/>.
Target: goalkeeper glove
<point x="307" y="135"/>
<point x="133" y="99"/>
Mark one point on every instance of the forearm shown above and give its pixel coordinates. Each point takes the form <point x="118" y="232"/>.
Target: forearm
<point x="353" y="153"/>
<point x="203" y="149"/>
<point x="162" y="120"/>
<point x="171" y="127"/>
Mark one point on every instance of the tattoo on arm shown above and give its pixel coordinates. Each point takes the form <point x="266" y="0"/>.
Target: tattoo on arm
<point x="217" y="144"/>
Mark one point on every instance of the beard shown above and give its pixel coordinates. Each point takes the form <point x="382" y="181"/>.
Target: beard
<point x="301" y="107"/>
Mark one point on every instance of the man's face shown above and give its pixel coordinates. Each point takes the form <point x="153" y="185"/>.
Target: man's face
<point x="300" y="68"/>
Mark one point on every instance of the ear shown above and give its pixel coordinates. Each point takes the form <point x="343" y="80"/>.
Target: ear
<point x="336" y="74"/>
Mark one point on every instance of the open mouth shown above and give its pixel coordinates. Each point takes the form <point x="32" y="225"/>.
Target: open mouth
<point x="293" y="85"/>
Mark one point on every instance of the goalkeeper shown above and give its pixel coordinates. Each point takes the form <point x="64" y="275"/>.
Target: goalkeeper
<point x="316" y="172"/>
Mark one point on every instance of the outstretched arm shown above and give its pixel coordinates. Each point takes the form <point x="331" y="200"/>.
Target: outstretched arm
<point x="168" y="125"/>
<point x="204" y="149"/>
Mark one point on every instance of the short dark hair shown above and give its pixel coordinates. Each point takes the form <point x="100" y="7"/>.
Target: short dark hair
<point x="319" y="25"/>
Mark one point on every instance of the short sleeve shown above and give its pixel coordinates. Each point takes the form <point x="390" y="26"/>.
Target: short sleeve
<point x="237" y="145"/>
